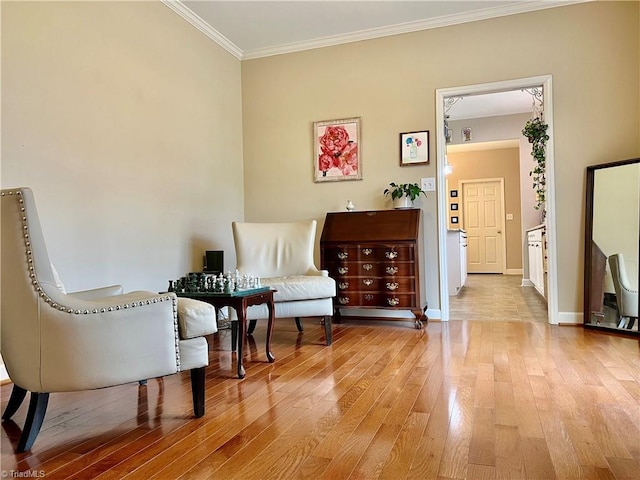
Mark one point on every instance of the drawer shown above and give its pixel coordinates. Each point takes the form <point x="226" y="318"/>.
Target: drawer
<point x="535" y="235"/>
<point x="463" y="239"/>
<point x="365" y="252"/>
<point x="373" y="299"/>
<point x="370" y="269"/>
<point x="376" y="284"/>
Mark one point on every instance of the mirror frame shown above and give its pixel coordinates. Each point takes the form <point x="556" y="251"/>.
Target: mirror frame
<point x="588" y="241"/>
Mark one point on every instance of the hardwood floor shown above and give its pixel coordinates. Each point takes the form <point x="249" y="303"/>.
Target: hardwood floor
<point x="505" y="398"/>
<point x="497" y="297"/>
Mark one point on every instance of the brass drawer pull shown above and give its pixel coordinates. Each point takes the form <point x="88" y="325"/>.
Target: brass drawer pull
<point x="343" y="300"/>
<point x="343" y="270"/>
<point x="391" y="270"/>
<point x="367" y="251"/>
<point x="392" y="286"/>
<point x="393" y="302"/>
<point x="368" y="282"/>
<point x="343" y="255"/>
<point x="343" y="285"/>
<point x="368" y="296"/>
<point x="367" y="266"/>
<point x="391" y="255"/>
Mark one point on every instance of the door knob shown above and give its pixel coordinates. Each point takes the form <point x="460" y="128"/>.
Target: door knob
<point x="499" y="231"/>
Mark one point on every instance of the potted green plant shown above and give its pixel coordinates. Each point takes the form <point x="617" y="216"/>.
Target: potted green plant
<point x="404" y="194"/>
<point x="536" y="132"/>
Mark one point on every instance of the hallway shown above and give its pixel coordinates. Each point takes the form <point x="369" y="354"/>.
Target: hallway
<point x="493" y="297"/>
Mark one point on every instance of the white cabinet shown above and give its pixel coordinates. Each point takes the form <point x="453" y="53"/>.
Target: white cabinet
<point x="537" y="264"/>
<point x="456" y="260"/>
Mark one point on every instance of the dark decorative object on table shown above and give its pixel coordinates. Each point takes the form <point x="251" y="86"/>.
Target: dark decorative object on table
<point x="214" y="261"/>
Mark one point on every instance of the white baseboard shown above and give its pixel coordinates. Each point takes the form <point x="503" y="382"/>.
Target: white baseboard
<point x="383" y="313"/>
<point x="378" y="313"/>
<point x="564" y="318"/>
<point x="570" y="318"/>
<point x="434" y="313"/>
<point x="526" y="283"/>
<point x="514" y="271"/>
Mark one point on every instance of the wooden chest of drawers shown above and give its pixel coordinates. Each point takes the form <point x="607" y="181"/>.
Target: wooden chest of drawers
<point x="374" y="258"/>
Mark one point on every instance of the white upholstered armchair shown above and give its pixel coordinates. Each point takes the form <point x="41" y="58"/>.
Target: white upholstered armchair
<point x="626" y="291"/>
<point x="281" y="254"/>
<point x="58" y="342"/>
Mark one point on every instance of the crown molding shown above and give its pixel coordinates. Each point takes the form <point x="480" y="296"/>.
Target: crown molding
<point x="368" y="34"/>
<point x="409" y="27"/>
<point x="178" y="7"/>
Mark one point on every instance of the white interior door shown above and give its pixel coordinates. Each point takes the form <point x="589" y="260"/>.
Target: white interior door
<point x="483" y="220"/>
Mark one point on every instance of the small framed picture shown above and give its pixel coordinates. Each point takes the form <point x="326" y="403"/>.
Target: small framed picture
<point x="453" y="193"/>
<point x="414" y="148"/>
<point x="454" y="206"/>
<point x="466" y="134"/>
<point x="454" y="219"/>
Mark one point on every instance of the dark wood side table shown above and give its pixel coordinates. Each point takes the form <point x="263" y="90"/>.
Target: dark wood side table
<point x="239" y="301"/>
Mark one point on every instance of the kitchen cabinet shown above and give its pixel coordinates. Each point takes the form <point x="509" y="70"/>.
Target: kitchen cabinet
<point x="456" y="260"/>
<point x="536" y="248"/>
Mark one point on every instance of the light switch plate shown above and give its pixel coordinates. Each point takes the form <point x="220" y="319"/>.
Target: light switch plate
<point x="428" y="184"/>
<point x="509" y="216"/>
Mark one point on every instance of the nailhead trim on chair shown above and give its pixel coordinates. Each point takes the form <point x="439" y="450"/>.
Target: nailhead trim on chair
<point x="62" y="308"/>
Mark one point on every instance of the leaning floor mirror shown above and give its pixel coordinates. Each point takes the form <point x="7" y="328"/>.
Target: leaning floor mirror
<point x="612" y="246"/>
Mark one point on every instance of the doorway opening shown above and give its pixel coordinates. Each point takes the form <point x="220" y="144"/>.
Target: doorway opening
<point x="444" y="98"/>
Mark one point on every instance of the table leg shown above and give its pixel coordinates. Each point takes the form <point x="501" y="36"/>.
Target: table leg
<point x="234" y="335"/>
<point x="242" y="329"/>
<point x="270" y="307"/>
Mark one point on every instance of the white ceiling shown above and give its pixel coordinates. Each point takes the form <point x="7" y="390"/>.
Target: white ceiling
<point x="254" y="29"/>
<point x="491" y="104"/>
<point x="256" y="25"/>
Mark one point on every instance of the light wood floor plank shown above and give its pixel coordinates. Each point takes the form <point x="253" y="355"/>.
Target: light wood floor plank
<point x="405" y="448"/>
<point x="509" y="458"/>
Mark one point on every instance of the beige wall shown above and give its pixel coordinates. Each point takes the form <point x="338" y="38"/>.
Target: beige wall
<point x="126" y="122"/>
<point x="500" y="163"/>
<point x="130" y="125"/>
<point x="591" y="50"/>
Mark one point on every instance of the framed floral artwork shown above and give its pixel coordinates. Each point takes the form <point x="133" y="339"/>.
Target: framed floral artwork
<point x="414" y="148"/>
<point x="337" y="151"/>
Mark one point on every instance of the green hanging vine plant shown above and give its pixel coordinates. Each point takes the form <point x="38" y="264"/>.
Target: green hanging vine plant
<point x="536" y="132"/>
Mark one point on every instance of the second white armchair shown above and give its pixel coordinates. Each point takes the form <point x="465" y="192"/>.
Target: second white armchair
<point x="281" y="254"/>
